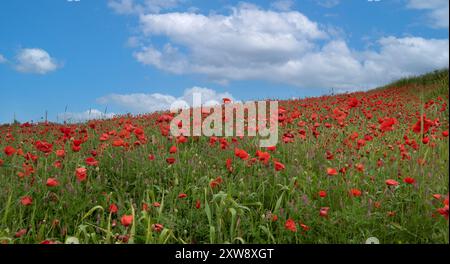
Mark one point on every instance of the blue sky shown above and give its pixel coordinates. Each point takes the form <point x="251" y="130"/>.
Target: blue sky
<point x="141" y="55"/>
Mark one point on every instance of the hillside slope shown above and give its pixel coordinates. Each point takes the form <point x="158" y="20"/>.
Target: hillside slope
<point x="346" y="168"/>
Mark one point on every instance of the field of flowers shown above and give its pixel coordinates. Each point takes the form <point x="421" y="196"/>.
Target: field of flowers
<point x="347" y="167"/>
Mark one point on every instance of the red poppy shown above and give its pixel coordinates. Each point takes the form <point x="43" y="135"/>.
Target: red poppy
<point x="170" y="160"/>
<point x="290" y="225"/>
<point x="323" y="194"/>
<point x="52" y="182"/>
<point x="198" y="204"/>
<point x="241" y="153"/>
<point x="126" y="220"/>
<point x="44" y="146"/>
<point x="81" y="174"/>
<point x="156" y="204"/>
<point x="391" y="182"/>
<point x="437" y="196"/>
<point x="355" y="192"/>
<point x="173" y="149"/>
<point x="9" y="150"/>
<point x="91" y="161"/>
<point x="272" y="148"/>
<point x="144" y="207"/>
<point x="216" y="182"/>
<point x="1" y="162"/>
<point x="60" y="153"/>
<point x="279" y="166"/>
<point x="409" y="180"/>
<point x="332" y="171"/>
<point x="304" y="227"/>
<point x="151" y="157"/>
<point x="324" y="211"/>
<point x="228" y="165"/>
<point x="20" y="233"/>
<point x="359" y="167"/>
<point x="182" y="195"/>
<point x="157" y="227"/>
<point x="26" y="200"/>
<point x="274" y="218"/>
<point x="113" y="209"/>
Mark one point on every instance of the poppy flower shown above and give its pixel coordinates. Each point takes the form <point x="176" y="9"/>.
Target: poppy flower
<point x="26" y="200"/>
<point x="144" y="207"/>
<point x="272" y="148"/>
<point x="242" y="154"/>
<point x="304" y="227"/>
<point x="48" y="242"/>
<point x="323" y="194"/>
<point x="113" y="209"/>
<point x="290" y="225"/>
<point x="81" y="174"/>
<point x="355" y="192"/>
<point x="216" y="182"/>
<point x="274" y="218"/>
<point x="198" y="204"/>
<point x="20" y="233"/>
<point x="359" y="167"/>
<point x="126" y="220"/>
<point x="157" y="227"/>
<point x="52" y="182"/>
<point x="156" y="204"/>
<point x="324" y="211"/>
<point x="44" y="146"/>
<point x="437" y="196"/>
<point x="279" y="166"/>
<point x="60" y="153"/>
<point x="91" y="161"/>
<point x="229" y="165"/>
<point x="173" y="149"/>
<point x="226" y="100"/>
<point x="9" y="150"/>
<point x="391" y="182"/>
<point x="182" y="195"/>
<point x="170" y="160"/>
<point x="332" y="171"/>
<point x="445" y="133"/>
<point x="409" y="180"/>
<point x="151" y="157"/>
<point x="1" y="162"/>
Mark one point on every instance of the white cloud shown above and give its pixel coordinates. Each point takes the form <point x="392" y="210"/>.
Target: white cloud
<point x="282" y="47"/>
<point x="282" y="5"/>
<point x="145" y="103"/>
<point x="328" y="3"/>
<point x="141" y="6"/>
<point x="35" y="61"/>
<point x="2" y="59"/>
<point x="73" y="117"/>
<point x="438" y="11"/>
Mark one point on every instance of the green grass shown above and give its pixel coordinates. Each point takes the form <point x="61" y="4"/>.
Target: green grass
<point x="241" y="209"/>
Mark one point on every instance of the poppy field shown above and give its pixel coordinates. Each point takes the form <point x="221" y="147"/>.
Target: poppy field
<point x="346" y="167"/>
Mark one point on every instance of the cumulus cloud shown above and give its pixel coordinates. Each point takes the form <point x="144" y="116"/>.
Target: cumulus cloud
<point x="282" y="5"/>
<point x="145" y="103"/>
<point x="141" y="6"/>
<point x="437" y="11"/>
<point x="35" y="61"/>
<point x="73" y="117"/>
<point x="280" y="46"/>
<point x="2" y="59"/>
